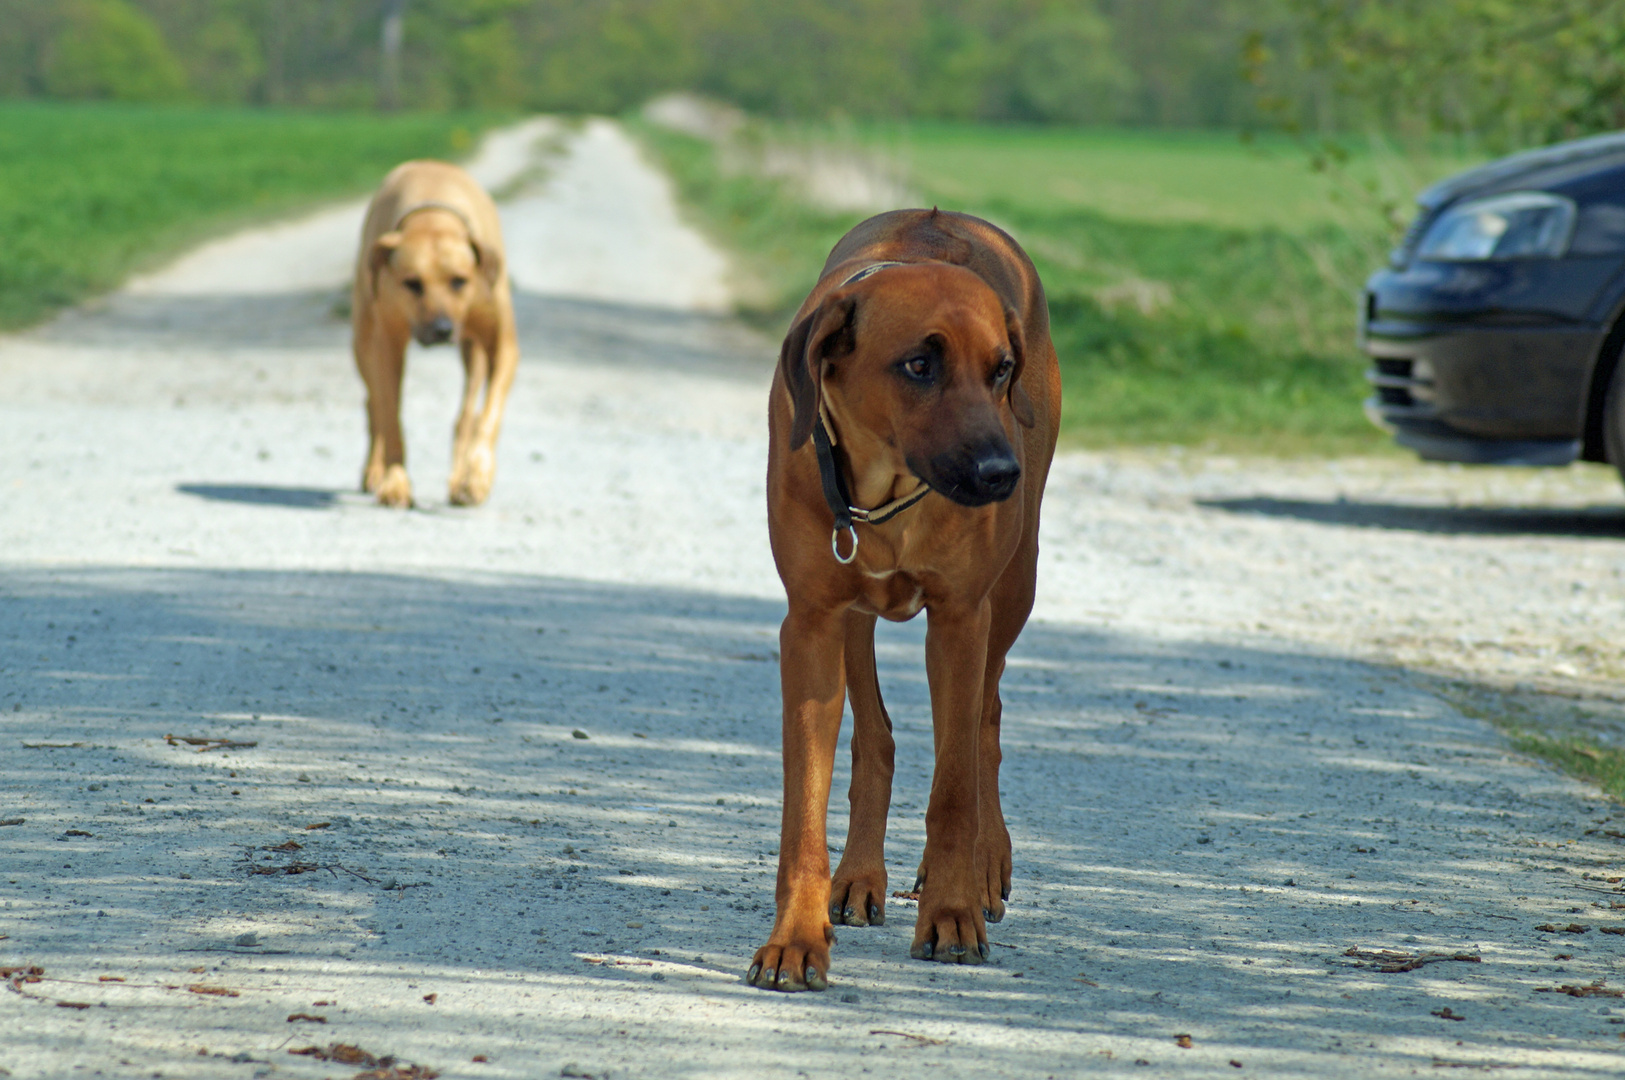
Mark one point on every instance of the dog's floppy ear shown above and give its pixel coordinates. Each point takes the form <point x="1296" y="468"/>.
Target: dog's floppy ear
<point x="823" y="335"/>
<point x="382" y="249"/>
<point x="1021" y="406"/>
<point x="488" y="260"/>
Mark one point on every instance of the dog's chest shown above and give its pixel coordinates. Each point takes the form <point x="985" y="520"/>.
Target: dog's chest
<point x="891" y="594"/>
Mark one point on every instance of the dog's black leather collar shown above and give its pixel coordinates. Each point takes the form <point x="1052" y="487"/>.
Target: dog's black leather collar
<point x="836" y="494"/>
<point x="840" y="500"/>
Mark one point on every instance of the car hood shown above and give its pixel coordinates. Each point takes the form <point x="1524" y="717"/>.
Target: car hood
<point x="1506" y="169"/>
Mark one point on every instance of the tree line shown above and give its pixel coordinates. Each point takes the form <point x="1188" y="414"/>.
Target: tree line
<point x="1499" y="69"/>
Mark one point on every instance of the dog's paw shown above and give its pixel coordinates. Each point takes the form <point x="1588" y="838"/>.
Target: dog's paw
<point x="950" y="930"/>
<point x="996" y="877"/>
<point x="993" y="875"/>
<point x="471" y="480"/>
<point x="395" y="489"/>
<point x="857" y="899"/>
<point x="798" y="962"/>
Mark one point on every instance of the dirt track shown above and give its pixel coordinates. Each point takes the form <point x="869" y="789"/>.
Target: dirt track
<point x="1218" y="777"/>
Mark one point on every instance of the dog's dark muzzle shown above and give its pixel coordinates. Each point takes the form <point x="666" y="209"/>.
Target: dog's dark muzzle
<point x="435" y="332"/>
<point x="976" y="476"/>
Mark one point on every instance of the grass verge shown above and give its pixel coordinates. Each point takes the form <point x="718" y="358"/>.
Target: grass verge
<point x="1202" y="292"/>
<point x="90" y="193"/>
<point x="1580" y="736"/>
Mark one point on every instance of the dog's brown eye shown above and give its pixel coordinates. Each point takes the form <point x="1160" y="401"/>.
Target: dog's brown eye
<point x="1002" y="372"/>
<point x="457" y="284"/>
<point x="918" y="366"/>
<point x="414" y="286"/>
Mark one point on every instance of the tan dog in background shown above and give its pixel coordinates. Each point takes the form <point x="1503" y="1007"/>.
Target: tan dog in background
<point x="431" y="267"/>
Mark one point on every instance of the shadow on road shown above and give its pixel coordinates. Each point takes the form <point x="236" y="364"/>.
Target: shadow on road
<point x="601" y="333"/>
<point x="298" y="498"/>
<point x="1515" y="520"/>
<point x="570" y="789"/>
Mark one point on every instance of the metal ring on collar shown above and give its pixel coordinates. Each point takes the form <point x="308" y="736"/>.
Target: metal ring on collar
<point x="835" y="544"/>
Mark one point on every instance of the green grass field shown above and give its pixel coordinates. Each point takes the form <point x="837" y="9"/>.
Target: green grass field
<point x="1203" y="291"/>
<point x="89" y="193"/>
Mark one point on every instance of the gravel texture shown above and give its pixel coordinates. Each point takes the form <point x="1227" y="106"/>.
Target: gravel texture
<point x="511" y="804"/>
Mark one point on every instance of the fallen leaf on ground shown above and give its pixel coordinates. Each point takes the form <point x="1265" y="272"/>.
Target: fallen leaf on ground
<point x="1612" y="929"/>
<point x="290" y="845"/>
<point x="1182" y="1041"/>
<point x="918" y="1040"/>
<point x="73" y="1004"/>
<point x="900" y="895"/>
<point x="1390" y="962"/>
<point x="109" y="978"/>
<point x="197" y="970"/>
<point x="430" y="998"/>
<point x="30" y="973"/>
<point x="296" y="1017"/>
<point x="1554" y="928"/>
<point x="319" y="825"/>
<point x="205" y="744"/>
<point x="481" y="1058"/>
<point x="376" y="1068"/>
<point x="76" y="832"/>
<point x="12" y="821"/>
<point x="1446" y="1014"/>
<point x="1596" y="989"/>
<point x="217" y="991"/>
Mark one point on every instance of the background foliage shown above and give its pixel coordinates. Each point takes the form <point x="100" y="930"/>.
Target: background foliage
<point x="1096" y="61"/>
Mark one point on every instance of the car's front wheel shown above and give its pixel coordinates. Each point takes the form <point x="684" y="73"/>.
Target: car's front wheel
<point x="1613" y="420"/>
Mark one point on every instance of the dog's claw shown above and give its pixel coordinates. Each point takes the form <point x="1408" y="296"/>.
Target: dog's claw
<point x="985" y="949"/>
<point x="876" y="917"/>
<point x="923" y="951"/>
<point x="816" y="980"/>
<point x="750" y="976"/>
<point x="919" y="883"/>
<point x="1004" y="893"/>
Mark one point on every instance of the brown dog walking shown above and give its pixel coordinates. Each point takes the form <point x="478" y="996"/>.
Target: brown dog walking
<point x="431" y="267"/>
<point x="912" y="422"/>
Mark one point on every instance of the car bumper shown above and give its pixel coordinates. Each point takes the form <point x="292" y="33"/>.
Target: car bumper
<point x="1497" y="391"/>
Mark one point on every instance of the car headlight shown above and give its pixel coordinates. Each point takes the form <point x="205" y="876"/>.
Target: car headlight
<point x="1520" y="225"/>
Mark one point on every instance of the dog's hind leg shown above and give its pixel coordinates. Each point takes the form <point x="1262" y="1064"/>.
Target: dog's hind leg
<point x="858" y="891"/>
<point x="1012" y="603"/>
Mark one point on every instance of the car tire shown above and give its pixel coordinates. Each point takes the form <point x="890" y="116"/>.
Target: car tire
<point x="1613" y="420"/>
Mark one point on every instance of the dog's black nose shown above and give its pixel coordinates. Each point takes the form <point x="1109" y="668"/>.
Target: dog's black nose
<point x="998" y="470"/>
<point x="975" y="475"/>
<point x="437" y="331"/>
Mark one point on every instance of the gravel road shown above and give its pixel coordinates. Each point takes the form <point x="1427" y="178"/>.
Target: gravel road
<point x="497" y="792"/>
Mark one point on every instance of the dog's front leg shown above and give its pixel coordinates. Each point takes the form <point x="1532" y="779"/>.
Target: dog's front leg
<point x="380" y="353"/>
<point x="479" y="464"/>
<point x="812" y="673"/>
<point x="951" y="926"/>
<point x="858" y="891"/>
<point x="476" y="372"/>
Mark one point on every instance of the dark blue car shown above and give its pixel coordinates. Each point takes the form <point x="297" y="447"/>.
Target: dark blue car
<point x="1497" y="328"/>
